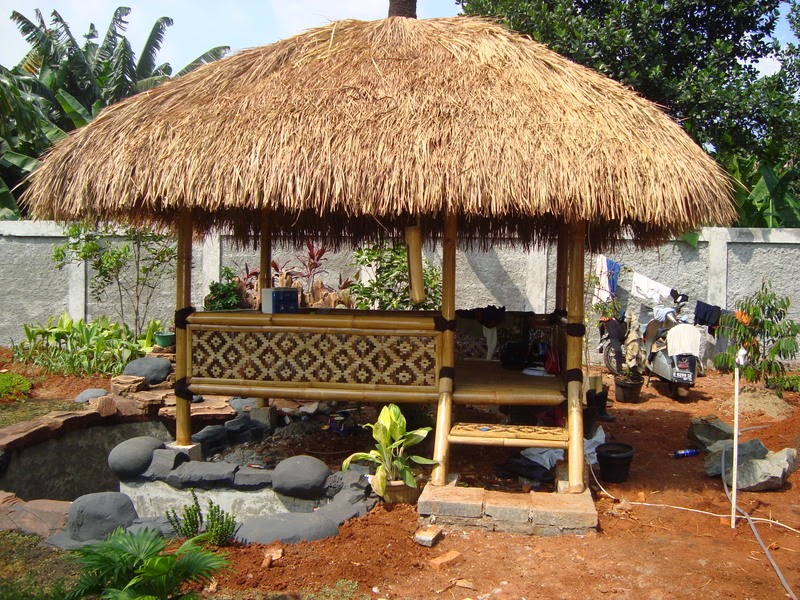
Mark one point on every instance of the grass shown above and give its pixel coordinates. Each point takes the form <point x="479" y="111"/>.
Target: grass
<point x="29" y="570"/>
<point x="25" y="410"/>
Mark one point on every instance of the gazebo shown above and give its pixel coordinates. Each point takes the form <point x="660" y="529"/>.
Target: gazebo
<point x="457" y="129"/>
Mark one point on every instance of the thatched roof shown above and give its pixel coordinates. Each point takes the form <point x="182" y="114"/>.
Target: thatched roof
<point x="347" y="130"/>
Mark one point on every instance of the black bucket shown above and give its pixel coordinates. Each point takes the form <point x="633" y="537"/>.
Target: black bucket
<point x="615" y="461"/>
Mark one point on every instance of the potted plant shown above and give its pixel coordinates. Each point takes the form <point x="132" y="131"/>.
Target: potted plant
<point x="628" y="385"/>
<point x="393" y="479"/>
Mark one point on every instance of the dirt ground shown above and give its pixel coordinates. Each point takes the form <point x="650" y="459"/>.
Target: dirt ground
<point x="643" y="549"/>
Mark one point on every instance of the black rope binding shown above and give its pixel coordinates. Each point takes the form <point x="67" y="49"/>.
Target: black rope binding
<point x="574" y="375"/>
<point x="182" y="389"/>
<point x="576" y="329"/>
<point x="448" y="372"/>
<point x="442" y="324"/>
<point x="556" y="316"/>
<point x="182" y="316"/>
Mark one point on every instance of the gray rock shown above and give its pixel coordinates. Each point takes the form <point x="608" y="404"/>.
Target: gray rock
<point x="88" y="394"/>
<point x="334" y="484"/>
<point x="158" y="524"/>
<point x="132" y="457"/>
<point x="212" y="439"/>
<point x="704" y="431"/>
<point x="154" y="370"/>
<point x="95" y="516"/>
<point x="239" y="424"/>
<point x="197" y="398"/>
<point x="163" y="463"/>
<point x="239" y="404"/>
<point x="5" y="460"/>
<point x="249" y="478"/>
<point x="265" y="415"/>
<point x="301" y="477"/>
<point x="287" y="528"/>
<point x="753" y="449"/>
<point x="341" y="511"/>
<point x="203" y="475"/>
<point x="769" y="473"/>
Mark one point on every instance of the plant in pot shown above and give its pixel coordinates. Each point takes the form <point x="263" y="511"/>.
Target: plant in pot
<point x="628" y="385"/>
<point x="393" y="480"/>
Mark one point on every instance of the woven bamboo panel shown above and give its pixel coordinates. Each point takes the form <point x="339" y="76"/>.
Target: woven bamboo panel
<point x="308" y="357"/>
<point x="527" y="432"/>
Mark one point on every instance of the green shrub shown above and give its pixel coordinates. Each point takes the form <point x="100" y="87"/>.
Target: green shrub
<point x="387" y="288"/>
<point x="219" y="525"/>
<point x="13" y="387"/>
<point x="787" y="383"/>
<point x="134" y="565"/>
<point x="224" y="294"/>
<point x="71" y="347"/>
<point x="759" y="325"/>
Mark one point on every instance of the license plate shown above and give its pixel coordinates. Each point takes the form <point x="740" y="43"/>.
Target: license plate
<point x="685" y="376"/>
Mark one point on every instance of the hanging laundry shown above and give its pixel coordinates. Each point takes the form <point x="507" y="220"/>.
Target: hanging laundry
<point x="602" y="292"/>
<point x="613" y="268"/>
<point x="708" y="315"/>
<point x="647" y="289"/>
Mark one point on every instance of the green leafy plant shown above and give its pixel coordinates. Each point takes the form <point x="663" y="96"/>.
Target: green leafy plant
<point x="392" y="440"/>
<point x="132" y="263"/>
<point x="77" y="347"/>
<point x="220" y="525"/>
<point x="13" y="387"/>
<point x="134" y="565"/>
<point x="223" y="294"/>
<point x="759" y="325"/>
<point x="386" y="285"/>
<point x="306" y="275"/>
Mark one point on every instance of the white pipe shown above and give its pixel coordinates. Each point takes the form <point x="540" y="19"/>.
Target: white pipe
<point x="735" y="446"/>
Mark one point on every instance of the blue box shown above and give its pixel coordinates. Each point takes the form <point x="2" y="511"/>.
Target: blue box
<point x="280" y="300"/>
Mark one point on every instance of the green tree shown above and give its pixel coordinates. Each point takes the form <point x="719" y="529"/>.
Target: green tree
<point x="697" y="59"/>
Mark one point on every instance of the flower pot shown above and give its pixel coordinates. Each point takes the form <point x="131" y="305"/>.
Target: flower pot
<point x="614" y="459"/>
<point x="165" y="339"/>
<point x="398" y="492"/>
<point x="626" y="390"/>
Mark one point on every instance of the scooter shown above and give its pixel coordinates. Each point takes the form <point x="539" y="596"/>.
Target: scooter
<point x="672" y="350"/>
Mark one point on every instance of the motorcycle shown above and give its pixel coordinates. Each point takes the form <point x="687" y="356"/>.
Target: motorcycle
<point x="670" y="347"/>
<point x="672" y="350"/>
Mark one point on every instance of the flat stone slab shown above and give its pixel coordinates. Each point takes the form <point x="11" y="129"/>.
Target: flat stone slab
<point x="535" y="513"/>
<point x="214" y="408"/>
<point x="37" y="517"/>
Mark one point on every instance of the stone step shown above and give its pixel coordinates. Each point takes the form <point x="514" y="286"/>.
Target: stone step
<point x="497" y="434"/>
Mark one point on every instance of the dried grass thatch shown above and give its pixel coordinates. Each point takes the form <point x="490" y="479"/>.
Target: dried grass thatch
<point x="347" y="130"/>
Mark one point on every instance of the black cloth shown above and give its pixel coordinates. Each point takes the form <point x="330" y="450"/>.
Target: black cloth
<point x="616" y="335"/>
<point x="707" y="314"/>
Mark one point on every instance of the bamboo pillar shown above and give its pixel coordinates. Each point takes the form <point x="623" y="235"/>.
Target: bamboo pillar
<point x="265" y="266"/>
<point x="574" y="362"/>
<point x="416" y="282"/>
<point x="444" y="409"/>
<point x="183" y="299"/>
<point x="562" y="250"/>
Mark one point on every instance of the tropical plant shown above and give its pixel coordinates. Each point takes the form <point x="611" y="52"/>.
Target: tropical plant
<point x="132" y="263"/>
<point x="382" y="283"/>
<point x="306" y="276"/>
<point x="392" y="440"/>
<point x="77" y="347"/>
<point x="60" y="85"/>
<point x="134" y="565"/>
<point x="190" y="522"/>
<point x="760" y="326"/>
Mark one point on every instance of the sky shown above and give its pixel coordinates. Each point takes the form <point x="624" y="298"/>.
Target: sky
<point x="199" y="24"/>
<point x="203" y="24"/>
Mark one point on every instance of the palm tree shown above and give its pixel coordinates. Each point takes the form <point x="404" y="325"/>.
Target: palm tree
<point x="403" y="8"/>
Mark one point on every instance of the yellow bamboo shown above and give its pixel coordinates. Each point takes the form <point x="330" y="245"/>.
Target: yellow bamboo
<point x="317" y="330"/>
<point x="444" y="410"/>
<point x="265" y="253"/>
<point x="575" y="298"/>
<point x="335" y="321"/>
<point x="416" y="283"/>
<point x="351" y="394"/>
<point x="183" y="299"/>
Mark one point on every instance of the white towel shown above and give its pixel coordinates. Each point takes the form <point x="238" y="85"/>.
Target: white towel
<point x="647" y="289"/>
<point x="601" y="291"/>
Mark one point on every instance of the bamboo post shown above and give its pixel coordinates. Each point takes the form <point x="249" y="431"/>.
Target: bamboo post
<point x="416" y="282"/>
<point x="562" y="255"/>
<point x="574" y="364"/>
<point x="444" y="409"/>
<point x="183" y="299"/>
<point x="265" y="267"/>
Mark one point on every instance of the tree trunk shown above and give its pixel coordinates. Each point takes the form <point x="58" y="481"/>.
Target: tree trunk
<point x="403" y="8"/>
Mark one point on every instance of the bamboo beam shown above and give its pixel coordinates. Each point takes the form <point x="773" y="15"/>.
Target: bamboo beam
<point x="334" y="320"/>
<point x="444" y="409"/>
<point x="574" y="362"/>
<point x="562" y="254"/>
<point x="416" y="282"/>
<point x="183" y="299"/>
<point x="265" y="268"/>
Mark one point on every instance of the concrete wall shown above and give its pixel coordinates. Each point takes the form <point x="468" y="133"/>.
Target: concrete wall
<point x="726" y="265"/>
